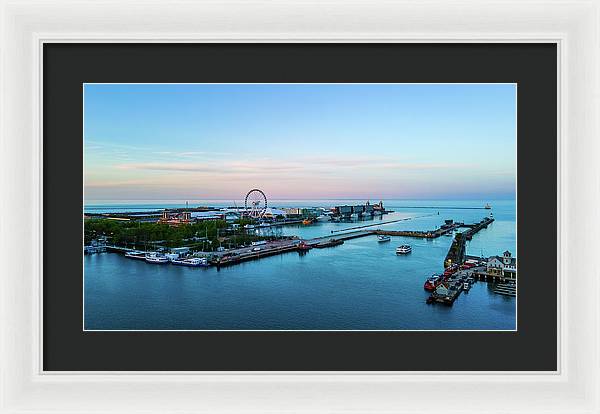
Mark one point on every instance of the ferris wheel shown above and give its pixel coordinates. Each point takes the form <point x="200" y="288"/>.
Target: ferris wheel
<point x="255" y="203"/>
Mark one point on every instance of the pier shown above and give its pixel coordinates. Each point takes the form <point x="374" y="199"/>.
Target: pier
<point x="381" y="224"/>
<point x="433" y="234"/>
<point x="457" y="252"/>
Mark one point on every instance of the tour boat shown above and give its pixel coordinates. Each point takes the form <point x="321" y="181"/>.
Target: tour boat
<point x="451" y="270"/>
<point x="156" y="259"/>
<point x="432" y="282"/>
<point x="383" y="238"/>
<point x="135" y="255"/>
<point x="193" y="262"/>
<point x="404" y="249"/>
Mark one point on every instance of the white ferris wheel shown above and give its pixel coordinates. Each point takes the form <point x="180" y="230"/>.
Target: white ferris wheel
<point x="255" y="203"/>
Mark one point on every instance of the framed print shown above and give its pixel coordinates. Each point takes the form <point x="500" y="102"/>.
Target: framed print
<point x="302" y="235"/>
<point x="314" y="212"/>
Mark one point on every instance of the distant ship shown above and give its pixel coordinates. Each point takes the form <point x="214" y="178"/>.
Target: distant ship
<point x="487" y="206"/>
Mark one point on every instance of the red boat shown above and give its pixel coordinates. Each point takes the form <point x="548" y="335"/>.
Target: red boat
<point x="432" y="282"/>
<point x="451" y="270"/>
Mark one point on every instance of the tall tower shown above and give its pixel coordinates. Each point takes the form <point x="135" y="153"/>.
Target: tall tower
<point x="506" y="258"/>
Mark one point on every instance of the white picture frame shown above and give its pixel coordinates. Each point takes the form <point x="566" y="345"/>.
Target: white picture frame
<point x="27" y="25"/>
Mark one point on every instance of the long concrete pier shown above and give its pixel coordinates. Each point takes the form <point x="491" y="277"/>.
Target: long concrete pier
<point x="457" y="252"/>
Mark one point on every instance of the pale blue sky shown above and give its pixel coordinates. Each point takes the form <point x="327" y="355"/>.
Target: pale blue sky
<point x="194" y="141"/>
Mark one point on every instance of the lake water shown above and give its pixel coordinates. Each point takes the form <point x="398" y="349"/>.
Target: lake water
<point x="359" y="285"/>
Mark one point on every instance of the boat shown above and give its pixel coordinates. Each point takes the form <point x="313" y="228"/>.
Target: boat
<point x="249" y="226"/>
<point x="307" y="221"/>
<point x="264" y="225"/>
<point x="193" y="262"/>
<point x="404" y="249"/>
<point x="451" y="270"/>
<point x="466" y="286"/>
<point x="487" y="206"/>
<point x="135" y="255"/>
<point x="354" y="215"/>
<point x="432" y="282"/>
<point x="156" y="259"/>
<point x="383" y="238"/>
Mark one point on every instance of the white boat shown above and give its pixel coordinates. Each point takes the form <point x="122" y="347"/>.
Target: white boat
<point x="135" y="255"/>
<point x="383" y="238"/>
<point x="404" y="249"/>
<point x="487" y="206"/>
<point x="193" y="262"/>
<point x="156" y="259"/>
<point x="264" y="225"/>
<point x="466" y="286"/>
<point x="249" y="226"/>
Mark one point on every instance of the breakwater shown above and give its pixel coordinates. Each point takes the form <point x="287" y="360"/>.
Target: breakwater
<point x="457" y="252"/>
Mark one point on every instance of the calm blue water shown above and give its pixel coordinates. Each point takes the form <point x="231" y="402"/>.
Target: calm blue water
<point x="359" y="285"/>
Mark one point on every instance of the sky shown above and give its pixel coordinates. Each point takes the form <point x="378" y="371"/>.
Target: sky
<point x="299" y="141"/>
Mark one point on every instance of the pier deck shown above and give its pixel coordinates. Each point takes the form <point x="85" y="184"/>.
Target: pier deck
<point x="457" y="252"/>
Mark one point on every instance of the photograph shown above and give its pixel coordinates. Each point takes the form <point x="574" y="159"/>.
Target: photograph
<point x="299" y="207"/>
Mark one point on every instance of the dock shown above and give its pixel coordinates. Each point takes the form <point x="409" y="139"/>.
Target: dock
<point x="431" y="234"/>
<point x="381" y="223"/>
<point x="457" y="252"/>
<point x="252" y="255"/>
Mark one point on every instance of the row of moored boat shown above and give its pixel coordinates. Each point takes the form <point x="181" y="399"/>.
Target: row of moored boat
<point x="157" y="258"/>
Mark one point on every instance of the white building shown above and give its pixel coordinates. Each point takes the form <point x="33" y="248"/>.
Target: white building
<point x="505" y="266"/>
<point x="272" y="213"/>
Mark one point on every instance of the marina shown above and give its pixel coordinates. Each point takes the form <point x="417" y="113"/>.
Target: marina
<point x="297" y="247"/>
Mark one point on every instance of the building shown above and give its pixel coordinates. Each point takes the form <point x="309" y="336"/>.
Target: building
<point x="208" y="215"/>
<point x="504" y="266"/>
<point x="293" y="211"/>
<point x="174" y="218"/>
<point x="273" y="213"/>
<point x="366" y="209"/>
